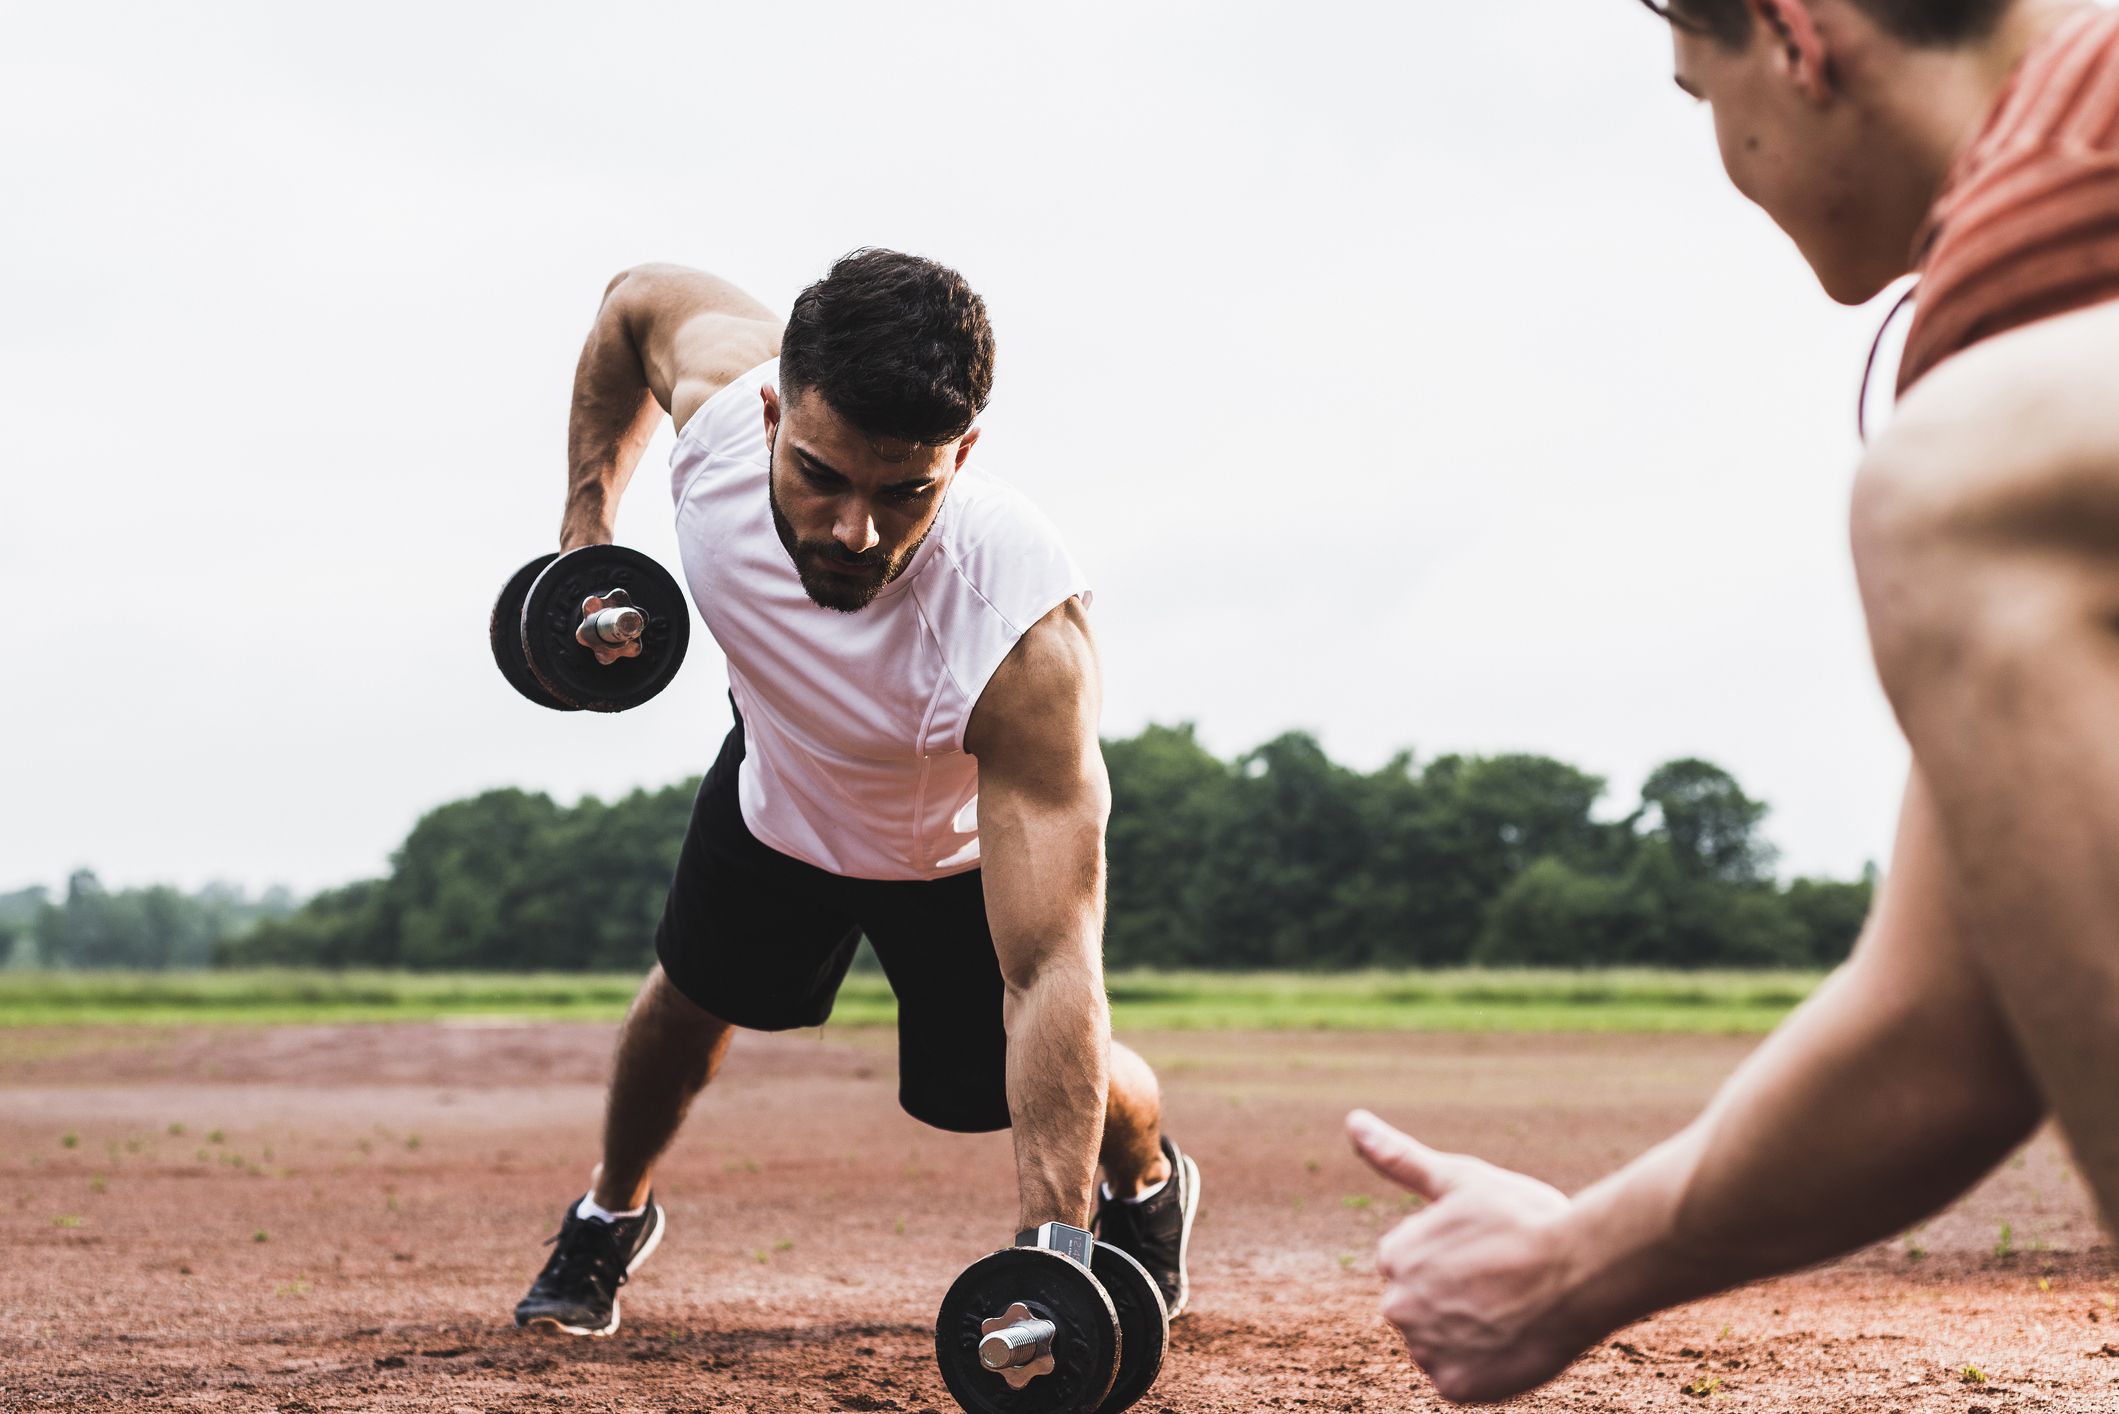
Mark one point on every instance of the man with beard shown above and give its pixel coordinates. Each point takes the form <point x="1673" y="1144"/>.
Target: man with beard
<point x="914" y="759"/>
<point x="1976" y="141"/>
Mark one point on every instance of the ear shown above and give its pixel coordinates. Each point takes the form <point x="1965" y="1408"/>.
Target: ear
<point x="964" y="446"/>
<point x="771" y="396"/>
<point x="1799" y="47"/>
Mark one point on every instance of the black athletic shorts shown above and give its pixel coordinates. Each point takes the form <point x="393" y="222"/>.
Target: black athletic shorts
<point x="762" y="941"/>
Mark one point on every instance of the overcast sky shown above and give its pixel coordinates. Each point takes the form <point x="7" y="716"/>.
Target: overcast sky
<point x="1407" y="373"/>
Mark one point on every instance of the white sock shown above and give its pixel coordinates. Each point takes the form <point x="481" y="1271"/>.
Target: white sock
<point x="1141" y="1197"/>
<point x="588" y="1207"/>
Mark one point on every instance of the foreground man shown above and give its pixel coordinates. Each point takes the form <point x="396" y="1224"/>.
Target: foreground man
<point x="1981" y="136"/>
<point x="915" y="755"/>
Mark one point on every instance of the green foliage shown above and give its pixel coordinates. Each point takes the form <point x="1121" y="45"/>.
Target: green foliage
<point x="18" y="927"/>
<point x="1284" y="859"/>
<point x="505" y="881"/>
<point x="1831" y="913"/>
<point x="1709" y="825"/>
<point x="155" y="927"/>
<point x="1279" y="859"/>
<point x="1552" y="915"/>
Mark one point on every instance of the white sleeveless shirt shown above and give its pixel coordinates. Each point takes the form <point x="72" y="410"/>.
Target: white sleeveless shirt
<point x="854" y="723"/>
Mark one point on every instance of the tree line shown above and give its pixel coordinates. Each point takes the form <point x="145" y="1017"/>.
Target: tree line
<point x="152" y="928"/>
<point x="1283" y="858"/>
<point x="1278" y="859"/>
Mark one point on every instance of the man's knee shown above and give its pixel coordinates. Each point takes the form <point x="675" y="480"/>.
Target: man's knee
<point x="662" y="1008"/>
<point x="1132" y="1079"/>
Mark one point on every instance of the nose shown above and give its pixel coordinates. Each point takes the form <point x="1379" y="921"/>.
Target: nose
<point x="856" y="530"/>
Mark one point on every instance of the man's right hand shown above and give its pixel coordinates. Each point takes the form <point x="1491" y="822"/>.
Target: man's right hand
<point x="1478" y="1280"/>
<point x="664" y="341"/>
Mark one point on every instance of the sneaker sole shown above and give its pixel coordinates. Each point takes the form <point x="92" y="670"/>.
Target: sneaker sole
<point x="1189" y="1176"/>
<point x="647" y="1248"/>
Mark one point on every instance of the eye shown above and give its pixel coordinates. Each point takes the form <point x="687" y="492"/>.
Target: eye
<point x="907" y="495"/>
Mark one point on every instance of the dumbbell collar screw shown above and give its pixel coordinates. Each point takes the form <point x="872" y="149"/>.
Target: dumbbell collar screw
<point x="1020" y="1342"/>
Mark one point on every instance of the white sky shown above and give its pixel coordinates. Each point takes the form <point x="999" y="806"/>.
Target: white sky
<point x="1404" y="372"/>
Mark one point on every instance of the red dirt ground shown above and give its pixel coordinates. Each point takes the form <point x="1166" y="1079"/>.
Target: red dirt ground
<point x="336" y="1218"/>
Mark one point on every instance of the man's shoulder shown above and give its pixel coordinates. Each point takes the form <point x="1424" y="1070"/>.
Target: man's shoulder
<point x="2041" y="383"/>
<point x="1004" y="601"/>
<point x="1044" y="690"/>
<point x="984" y="506"/>
<point x="732" y="411"/>
<point x="995" y="539"/>
<point x="716" y="354"/>
<point x="2019" y="418"/>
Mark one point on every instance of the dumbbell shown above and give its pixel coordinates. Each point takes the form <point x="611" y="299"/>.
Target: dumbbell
<point x="1058" y="1324"/>
<point x="539" y="614"/>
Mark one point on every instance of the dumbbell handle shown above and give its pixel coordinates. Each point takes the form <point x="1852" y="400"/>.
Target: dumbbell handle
<point x="616" y="627"/>
<point x="1016" y="1345"/>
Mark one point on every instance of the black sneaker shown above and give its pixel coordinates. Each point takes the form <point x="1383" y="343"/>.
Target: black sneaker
<point x="1158" y="1233"/>
<point x="577" y="1292"/>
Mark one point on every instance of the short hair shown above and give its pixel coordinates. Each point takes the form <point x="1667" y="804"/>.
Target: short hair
<point x="1935" y="24"/>
<point x="897" y="344"/>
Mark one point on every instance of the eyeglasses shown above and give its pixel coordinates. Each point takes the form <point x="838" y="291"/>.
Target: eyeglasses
<point x="1675" y="20"/>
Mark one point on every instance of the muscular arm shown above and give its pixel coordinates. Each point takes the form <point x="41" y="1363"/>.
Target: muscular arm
<point x="1043" y="802"/>
<point x="667" y="339"/>
<point x="1887" y="1094"/>
<point x="1891" y="1090"/>
<point x="1986" y="537"/>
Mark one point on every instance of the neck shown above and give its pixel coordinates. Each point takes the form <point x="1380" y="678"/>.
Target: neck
<point x="1934" y="101"/>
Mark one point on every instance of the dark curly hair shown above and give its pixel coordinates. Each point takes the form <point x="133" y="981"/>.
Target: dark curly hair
<point x="1935" y="24"/>
<point x="897" y="344"/>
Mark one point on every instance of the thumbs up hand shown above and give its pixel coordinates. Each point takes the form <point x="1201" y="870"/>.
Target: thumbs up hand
<point x="1476" y="1280"/>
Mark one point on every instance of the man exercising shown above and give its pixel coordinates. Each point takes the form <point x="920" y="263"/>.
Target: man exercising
<point x="1977" y="141"/>
<point x="914" y="759"/>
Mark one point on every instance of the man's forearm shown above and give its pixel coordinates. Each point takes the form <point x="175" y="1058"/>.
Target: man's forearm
<point x="1861" y="1115"/>
<point x="1059" y="1035"/>
<point x="1043" y="803"/>
<point x="614" y="415"/>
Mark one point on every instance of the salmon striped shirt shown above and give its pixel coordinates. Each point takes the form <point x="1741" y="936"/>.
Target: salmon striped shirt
<point x="2027" y="226"/>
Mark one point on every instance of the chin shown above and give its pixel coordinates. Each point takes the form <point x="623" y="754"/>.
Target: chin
<point x="829" y="591"/>
<point x="1849" y="279"/>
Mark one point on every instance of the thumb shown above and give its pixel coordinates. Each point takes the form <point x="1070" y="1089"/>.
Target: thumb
<point x="1401" y="1158"/>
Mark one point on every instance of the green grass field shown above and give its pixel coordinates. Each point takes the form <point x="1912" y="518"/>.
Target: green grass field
<point x="1462" y="1000"/>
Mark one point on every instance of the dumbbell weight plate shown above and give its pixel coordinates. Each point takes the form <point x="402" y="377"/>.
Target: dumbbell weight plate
<point x="1143" y="1323"/>
<point x="551" y="612"/>
<point x="1085" y="1352"/>
<point x="505" y="630"/>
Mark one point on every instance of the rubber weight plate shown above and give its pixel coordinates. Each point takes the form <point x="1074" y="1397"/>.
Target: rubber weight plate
<point x="1085" y="1349"/>
<point x="505" y="629"/>
<point x="1143" y="1324"/>
<point x="551" y="612"/>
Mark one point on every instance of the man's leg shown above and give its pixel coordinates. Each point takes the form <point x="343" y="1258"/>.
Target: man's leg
<point x="1132" y="1154"/>
<point x="749" y="938"/>
<point x="1150" y="1192"/>
<point x="668" y="1050"/>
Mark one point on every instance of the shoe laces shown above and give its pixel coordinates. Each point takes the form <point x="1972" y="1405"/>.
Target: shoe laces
<point x="587" y="1250"/>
